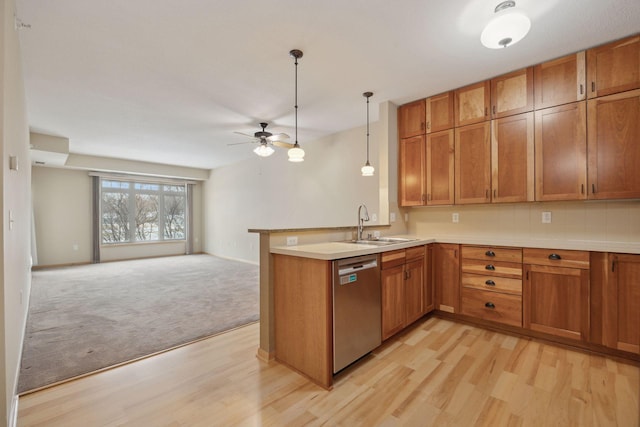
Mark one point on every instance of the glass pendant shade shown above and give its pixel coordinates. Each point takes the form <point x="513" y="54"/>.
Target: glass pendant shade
<point x="506" y="29"/>
<point x="367" y="170"/>
<point x="263" y="150"/>
<point x="296" y="154"/>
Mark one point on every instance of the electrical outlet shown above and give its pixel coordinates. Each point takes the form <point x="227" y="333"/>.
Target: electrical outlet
<point x="392" y="217"/>
<point x="75" y="247"/>
<point x="455" y="217"/>
<point x="376" y="234"/>
<point x="406" y="217"/>
<point x="374" y="217"/>
<point x="546" y="217"/>
<point x="292" y="240"/>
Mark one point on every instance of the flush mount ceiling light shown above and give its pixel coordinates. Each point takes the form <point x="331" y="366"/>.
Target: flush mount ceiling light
<point x="507" y="28"/>
<point x="263" y="150"/>
<point x="296" y="154"/>
<point x="367" y="169"/>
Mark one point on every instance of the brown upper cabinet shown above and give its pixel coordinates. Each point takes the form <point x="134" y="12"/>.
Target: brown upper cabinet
<point x="411" y="119"/>
<point x="412" y="171"/>
<point x="472" y="103"/>
<point x="561" y="152"/>
<point x="512" y="159"/>
<point x="473" y="163"/>
<point x="440" y="112"/>
<point x="560" y="81"/>
<point x="512" y="93"/>
<point x="440" y="168"/>
<point x="613" y="135"/>
<point x="614" y="67"/>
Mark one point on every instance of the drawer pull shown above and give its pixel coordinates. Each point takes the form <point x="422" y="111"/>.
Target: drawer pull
<point x="489" y="267"/>
<point x="489" y="305"/>
<point x="490" y="283"/>
<point x="490" y="253"/>
<point x="555" y="257"/>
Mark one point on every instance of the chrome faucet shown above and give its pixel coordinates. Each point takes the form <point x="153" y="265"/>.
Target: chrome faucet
<point x="361" y="220"/>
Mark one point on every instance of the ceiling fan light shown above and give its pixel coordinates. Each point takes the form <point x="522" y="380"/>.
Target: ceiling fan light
<point x="505" y="30"/>
<point x="263" y="150"/>
<point x="367" y="170"/>
<point x="296" y="154"/>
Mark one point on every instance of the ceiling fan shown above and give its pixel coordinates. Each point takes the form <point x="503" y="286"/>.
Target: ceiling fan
<point x="266" y="139"/>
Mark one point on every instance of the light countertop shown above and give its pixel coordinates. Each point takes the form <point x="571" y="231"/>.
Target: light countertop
<point x="338" y="250"/>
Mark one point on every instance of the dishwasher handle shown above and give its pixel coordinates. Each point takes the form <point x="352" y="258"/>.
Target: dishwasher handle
<point x="357" y="266"/>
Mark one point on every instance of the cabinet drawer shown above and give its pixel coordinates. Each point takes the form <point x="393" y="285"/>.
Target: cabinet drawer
<point x="493" y="306"/>
<point x="492" y="283"/>
<point x="492" y="253"/>
<point x="492" y="268"/>
<point x="415" y="252"/>
<point x="559" y="258"/>
<point x="392" y="259"/>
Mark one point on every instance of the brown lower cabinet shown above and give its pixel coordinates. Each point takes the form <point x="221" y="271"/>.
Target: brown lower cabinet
<point x="446" y="276"/>
<point x="402" y="279"/>
<point x="556" y="292"/>
<point x="615" y="301"/>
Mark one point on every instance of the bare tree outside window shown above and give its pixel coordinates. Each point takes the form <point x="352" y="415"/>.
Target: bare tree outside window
<point x="140" y="211"/>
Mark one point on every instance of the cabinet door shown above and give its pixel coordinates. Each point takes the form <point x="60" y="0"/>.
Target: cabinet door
<point x="413" y="290"/>
<point x="429" y="295"/>
<point x="472" y="103"/>
<point x="446" y="277"/>
<point x="440" y="172"/>
<point x="412" y="176"/>
<point x="556" y="301"/>
<point x="512" y="93"/>
<point x="512" y="159"/>
<point x="560" y="81"/>
<point x="561" y="152"/>
<point x="621" y="303"/>
<point x="614" y="67"/>
<point x="440" y="112"/>
<point x="473" y="163"/>
<point x="411" y="119"/>
<point x="613" y="150"/>
<point x="392" y="282"/>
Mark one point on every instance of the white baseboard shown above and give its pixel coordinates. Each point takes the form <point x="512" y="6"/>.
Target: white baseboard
<point x="13" y="412"/>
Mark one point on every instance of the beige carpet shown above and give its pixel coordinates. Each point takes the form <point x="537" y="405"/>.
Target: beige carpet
<point x="89" y="317"/>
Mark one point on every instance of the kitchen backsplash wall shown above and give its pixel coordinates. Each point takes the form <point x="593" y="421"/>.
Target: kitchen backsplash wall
<point x="611" y="221"/>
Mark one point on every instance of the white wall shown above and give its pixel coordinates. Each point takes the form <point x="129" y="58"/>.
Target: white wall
<point x="62" y="213"/>
<point x="273" y="193"/>
<point x="15" y="278"/>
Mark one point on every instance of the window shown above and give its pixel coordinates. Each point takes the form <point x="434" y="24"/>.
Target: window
<point x="142" y="211"/>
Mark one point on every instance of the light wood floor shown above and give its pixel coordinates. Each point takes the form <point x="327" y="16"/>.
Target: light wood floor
<point x="439" y="373"/>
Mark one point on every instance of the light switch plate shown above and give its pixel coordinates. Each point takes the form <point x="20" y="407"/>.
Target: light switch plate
<point x="546" y="217"/>
<point x="374" y="217"/>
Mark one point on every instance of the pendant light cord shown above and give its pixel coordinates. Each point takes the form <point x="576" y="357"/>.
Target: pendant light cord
<point x="296" y="99"/>
<point x="367" y="130"/>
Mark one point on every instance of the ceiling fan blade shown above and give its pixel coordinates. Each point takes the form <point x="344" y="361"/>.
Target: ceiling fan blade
<point x="282" y="144"/>
<point x="241" y="143"/>
<point x="246" y="134"/>
<point x="278" y="136"/>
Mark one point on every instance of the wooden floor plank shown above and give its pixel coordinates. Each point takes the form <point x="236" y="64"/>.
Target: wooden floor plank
<point x="436" y="373"/>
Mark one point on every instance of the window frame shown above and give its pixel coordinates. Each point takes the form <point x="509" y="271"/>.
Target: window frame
<point x="144" y="186"/>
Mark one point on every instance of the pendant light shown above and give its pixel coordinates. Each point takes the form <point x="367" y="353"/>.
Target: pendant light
<point x="296" y="154"/>
<point x="367" y="169"/>
<point x="507" y="28"/>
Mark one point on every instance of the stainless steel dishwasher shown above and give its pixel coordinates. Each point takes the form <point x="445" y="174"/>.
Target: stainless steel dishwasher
<point x="357" y="309"/>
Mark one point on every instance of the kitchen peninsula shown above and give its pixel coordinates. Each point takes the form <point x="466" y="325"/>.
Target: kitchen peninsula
<point x="465" y="279"/>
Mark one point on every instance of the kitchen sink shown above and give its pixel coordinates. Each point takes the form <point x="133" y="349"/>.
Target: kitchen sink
<point x="382" y="241"/>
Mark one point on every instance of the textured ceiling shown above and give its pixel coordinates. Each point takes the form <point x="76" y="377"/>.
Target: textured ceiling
<point x="169" y="82"/>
